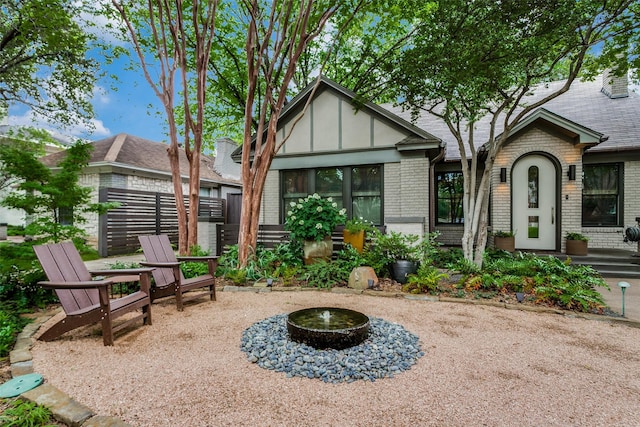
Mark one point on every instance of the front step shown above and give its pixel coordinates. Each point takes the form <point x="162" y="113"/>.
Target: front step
<point x="610" y="266"/>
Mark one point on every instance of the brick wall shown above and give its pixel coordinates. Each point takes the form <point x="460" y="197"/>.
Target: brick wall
<point x="612" y="237"/>
<point x="406" y="194"/>
<point x="270" y="212"/>
<point x="540" y="141"/>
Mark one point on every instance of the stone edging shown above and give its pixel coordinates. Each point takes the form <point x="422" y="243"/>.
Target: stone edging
<point x="72" y="413"/>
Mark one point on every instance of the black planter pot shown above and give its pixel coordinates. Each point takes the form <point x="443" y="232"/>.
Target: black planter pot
<point x="401" y="268"/>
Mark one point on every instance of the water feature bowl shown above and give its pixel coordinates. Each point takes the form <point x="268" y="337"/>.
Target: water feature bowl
<point x="328" y="327"/>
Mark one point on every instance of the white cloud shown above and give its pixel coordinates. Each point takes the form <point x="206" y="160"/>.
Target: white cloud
<point x="92" y="129"/>
<point x="100" y="95"/>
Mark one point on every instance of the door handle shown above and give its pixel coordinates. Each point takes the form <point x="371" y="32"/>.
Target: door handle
<point x="552" y="216"/>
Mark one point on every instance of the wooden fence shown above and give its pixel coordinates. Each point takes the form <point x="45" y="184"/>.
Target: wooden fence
<point x="143" y="213"/>
<point x="269" y="235"/>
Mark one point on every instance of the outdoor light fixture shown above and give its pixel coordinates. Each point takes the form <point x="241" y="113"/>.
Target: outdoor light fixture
<point x="503" y="174"/>
<point x="269" y="282"/>
<point x="572" y="173"/>
<point x="623" y="287"/>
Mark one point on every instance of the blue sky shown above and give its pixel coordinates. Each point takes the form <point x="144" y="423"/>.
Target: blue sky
<point x="131" y="107"/>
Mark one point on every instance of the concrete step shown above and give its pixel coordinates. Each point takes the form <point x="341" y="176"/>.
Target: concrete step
<point x="610" y="267"/>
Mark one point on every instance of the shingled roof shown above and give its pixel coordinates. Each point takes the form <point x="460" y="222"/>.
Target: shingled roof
<point x="141" y="154"/>
<point x="618" y="120"/>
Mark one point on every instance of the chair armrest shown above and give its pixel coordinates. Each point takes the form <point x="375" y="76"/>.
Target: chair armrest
<point x="120" y="272"/>
<point x="161" y="264"/>
<point x="76" y="285"/>
<point x="197" y="258"/>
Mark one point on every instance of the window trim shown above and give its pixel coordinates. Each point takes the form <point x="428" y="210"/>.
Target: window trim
<point x="437" y="198"/>
<point x="620" y="195"/>
<point x="347" y="192"/>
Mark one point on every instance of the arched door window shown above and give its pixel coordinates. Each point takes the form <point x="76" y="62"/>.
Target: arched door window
<point x="534" y="179"/>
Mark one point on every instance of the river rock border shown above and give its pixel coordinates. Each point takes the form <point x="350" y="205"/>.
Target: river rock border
<point x="389" y="350"/>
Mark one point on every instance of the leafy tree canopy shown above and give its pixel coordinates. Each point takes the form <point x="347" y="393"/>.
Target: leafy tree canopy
<point x="43" y="61"/>
<point x="468" y="58"/>
<point x="347" y="51"/>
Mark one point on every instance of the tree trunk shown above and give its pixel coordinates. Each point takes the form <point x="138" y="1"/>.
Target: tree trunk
<point x="174" y="160"/>
<point x="194" y="201"/>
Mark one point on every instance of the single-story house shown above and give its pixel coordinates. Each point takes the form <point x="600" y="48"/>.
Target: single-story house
<point x="9" y="133"/>
<point x="133" y="163"/>
<point x="571" y="166"/>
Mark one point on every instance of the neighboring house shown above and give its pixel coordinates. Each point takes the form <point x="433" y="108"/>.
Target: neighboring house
<point x="571" y="166"/>
<point x="8" y="134"/>
<point x="129" y="162"/>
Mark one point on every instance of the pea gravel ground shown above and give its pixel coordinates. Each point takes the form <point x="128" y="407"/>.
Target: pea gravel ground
<point x="482" y="366"/>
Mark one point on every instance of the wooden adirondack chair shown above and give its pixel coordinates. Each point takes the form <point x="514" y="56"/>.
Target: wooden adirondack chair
<point x="87" y="301"/>
<point x="167" y="276"/>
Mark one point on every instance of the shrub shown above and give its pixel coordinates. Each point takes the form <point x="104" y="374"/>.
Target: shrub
<point x="11" y="323"/>
<point x="444" y="257"/>
<point x="313" y="218"/>
<point x="265" y="263"/>
<point x="575" y="236"/>
<point x="426" y="279"/>
<point x="553" y="281"/>
<point x="195" y="268"/>
<point x="335" y="273"/>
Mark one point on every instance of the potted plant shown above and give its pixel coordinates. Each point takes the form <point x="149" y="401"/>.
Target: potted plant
<point x="355" y="233"/>
<point x="311" y="221"/>
<point x="505" y="240"/>
<point x="402" y="251"/>
<point x="576" y="243"/>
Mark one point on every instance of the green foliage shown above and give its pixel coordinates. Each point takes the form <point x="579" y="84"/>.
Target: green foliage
<point x="335" y="273"/>
<point x="463" y="266"/>
<point x="426" y="279"/>
<point x="444" y="257"/>
<point x="20" y="286"/>
<point x="21" y="413"/>
<point x="19" y="274"/>
<point x="384" y="249"/>
<point x="571" y="235"/>
<point x="237" y="276"/>
<point x="551" y="280"/>
<point x="313" y="218"/>
<point x="283" y="260"/>
<point x="15" y="230"/>
<point x="195" y="268"/>
<point x="397" y="246"/>
<point x="54" y="198"/>
<point x="43" y="59"/>
<point x="355" y="225"/>
<point x="501" y="233"/>
<point x="11" y="323"/>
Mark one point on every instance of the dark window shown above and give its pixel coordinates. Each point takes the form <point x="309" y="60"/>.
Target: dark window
<point x="65" y="216"/>
<point x="450" y="189"/>
<point x="358" y="188"/>
<point x="533" y="187"/>
<point x="601" y="198"/>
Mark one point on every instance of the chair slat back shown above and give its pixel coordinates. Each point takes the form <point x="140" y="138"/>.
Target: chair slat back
<point x="157" y="248"/>
<point x="61" y="263"/>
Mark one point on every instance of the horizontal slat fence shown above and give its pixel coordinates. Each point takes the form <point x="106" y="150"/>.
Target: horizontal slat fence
<point x="270" y="235"/>
<point x="142" y="213"/>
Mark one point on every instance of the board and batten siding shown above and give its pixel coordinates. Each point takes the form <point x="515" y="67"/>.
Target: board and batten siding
<point x="331" y="124"/>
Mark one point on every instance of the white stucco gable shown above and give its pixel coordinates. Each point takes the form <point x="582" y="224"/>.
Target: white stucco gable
<point x="332" y="123"/>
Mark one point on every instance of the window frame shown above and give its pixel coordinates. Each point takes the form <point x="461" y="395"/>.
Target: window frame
<point x="437" y="198"/>
<point x="347" y="190"/>
<point x="619" y="195"/>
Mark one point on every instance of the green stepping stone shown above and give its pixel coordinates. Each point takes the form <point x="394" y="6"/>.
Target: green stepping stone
<point x="19" y="385"/>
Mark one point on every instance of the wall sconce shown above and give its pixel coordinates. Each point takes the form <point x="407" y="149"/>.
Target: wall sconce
<point x="572" y="173"/>
<point x="503" y="174"/>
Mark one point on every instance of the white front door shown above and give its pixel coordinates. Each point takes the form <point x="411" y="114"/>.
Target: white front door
<point x="533" y="187"/>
